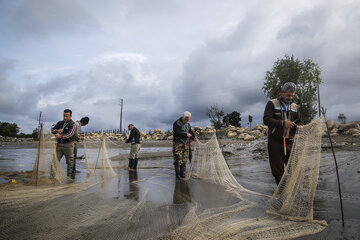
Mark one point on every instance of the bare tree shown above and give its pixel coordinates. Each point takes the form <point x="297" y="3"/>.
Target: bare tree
<point x="216" y="115"/>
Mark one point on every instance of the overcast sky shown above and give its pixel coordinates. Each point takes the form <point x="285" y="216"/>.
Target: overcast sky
<point x="164" y="57"/>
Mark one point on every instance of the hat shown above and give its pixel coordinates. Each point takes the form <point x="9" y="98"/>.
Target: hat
<point x="85" y="120"/>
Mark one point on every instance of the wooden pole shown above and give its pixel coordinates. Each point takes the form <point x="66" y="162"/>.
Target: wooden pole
<point x="38" y="153"/>
<point x="336" y="166"/>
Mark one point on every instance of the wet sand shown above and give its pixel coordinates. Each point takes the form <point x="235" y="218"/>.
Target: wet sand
<point x="148" y="202"/>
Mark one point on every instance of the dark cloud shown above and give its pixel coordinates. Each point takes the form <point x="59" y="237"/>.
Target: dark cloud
<point x="225" y="71"/>
<point x="41" y="18"/>
<point x="226" y="65"/>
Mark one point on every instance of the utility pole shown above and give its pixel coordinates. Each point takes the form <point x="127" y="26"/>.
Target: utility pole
<point x="39" y="125"/>
<point x="121" y="111"/>
<point x="318" y="92"/>
<point x="39" y="119"/>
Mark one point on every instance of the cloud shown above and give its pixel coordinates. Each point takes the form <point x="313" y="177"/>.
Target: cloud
<point x="42" y="18"/>
<point x="163" y="58"/>
<point x="230" y="70"/>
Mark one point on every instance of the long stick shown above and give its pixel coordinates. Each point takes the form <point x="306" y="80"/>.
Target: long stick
<point x="38" y="154"/>
<point x="102" y="138"/>
<point x="336" y="166"/>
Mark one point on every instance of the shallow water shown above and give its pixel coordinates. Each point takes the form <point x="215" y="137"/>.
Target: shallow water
<point x="153" y="184"/>
<point x="23" y="159"/>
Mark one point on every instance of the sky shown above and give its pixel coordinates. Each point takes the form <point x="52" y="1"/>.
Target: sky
<point x="164" y="57"/>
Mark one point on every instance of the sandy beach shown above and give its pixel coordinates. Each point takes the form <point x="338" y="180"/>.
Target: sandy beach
<point x="147" y="203"/>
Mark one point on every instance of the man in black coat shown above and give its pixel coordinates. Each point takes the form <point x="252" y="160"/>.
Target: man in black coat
<point x="282" y="116"/>
<point x="134" y="139"/>
<point x="65" y="134"/>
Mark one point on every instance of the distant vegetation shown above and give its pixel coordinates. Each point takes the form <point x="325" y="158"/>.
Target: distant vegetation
<point x="305" y="74"/>
<point x="12" y="130"/>
<point x="219" y="120"/>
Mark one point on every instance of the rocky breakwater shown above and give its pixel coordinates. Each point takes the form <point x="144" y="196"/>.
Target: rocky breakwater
<point x="350" y="129"/>
<point x="230" y="132"/>
<point x="15" y="139"/>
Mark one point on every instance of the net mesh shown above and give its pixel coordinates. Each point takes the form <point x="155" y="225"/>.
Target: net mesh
<point x="285" y="215"/>
<point x="47" y="167"/>
<point x="295" y="194"/>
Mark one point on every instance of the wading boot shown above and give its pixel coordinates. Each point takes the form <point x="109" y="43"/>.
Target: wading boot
<point x="177" y="172"/>
<point x="131" y="163"/>
<point x="182" y="170"/>
<point x="135" y="163"/>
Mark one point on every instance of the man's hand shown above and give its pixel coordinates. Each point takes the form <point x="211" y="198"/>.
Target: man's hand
<point x="289" y="124"/>
<point x="60" y="130"/>
<point x="189" y="135"/>
<point x="58" y="135"/>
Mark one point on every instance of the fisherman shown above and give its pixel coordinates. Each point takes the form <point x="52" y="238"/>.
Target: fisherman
<point x="83" y="122"/>
<point x="65" y="133"/>
<point x="181" y="143"/>
<point x="282" y="116"/>
<point x="134" y="139"/>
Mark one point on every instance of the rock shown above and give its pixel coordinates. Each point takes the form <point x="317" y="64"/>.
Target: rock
<point x="353" y="131"/>
<point x="242" y="130"/>
<point x="158" y="131"/>
<point x="249" y="138"/>
<point x="170" y="137"/>
<point x="197" y="128"/>
<point x="334" y="130"/>
<point x="256" y="133"/>
<point x="242" y="136"/>
<point x="337" y="125"/>
<point x="330" y="124"/>
<point x="356" y="135"/>
<point x="341" y="128"/>
<point x="231" y="134"/>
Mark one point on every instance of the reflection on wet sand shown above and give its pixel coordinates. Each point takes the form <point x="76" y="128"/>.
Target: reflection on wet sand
<point x="181" y="192"/>
<point x="133" y="186"/>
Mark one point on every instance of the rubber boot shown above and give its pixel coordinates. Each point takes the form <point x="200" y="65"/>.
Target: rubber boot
<point x="131" y="163"/>
<point x="182" y="170"/>
<point x="135" y="163"/>
<point x="177" y="172"/>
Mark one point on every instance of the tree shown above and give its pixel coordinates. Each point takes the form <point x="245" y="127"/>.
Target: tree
<point x="305" y="74"/>
<point x="216" y="116"/>
<point x="9" y="129"/>
<point x="233" y="119"/>
<point x="35" y="133"/>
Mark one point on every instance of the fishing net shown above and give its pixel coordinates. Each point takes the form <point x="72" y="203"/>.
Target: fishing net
<point x="48" y="169"/>
<point x="143" y="212"/>
<point x="285" y="215"/>
<point x="99" y="164"/>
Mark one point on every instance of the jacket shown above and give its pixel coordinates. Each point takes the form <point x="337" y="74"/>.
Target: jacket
<point x="134" y="137"/>
<point x="69" y="131"/>
<point x="180" y="131"/>
<point x="274" y="117"/>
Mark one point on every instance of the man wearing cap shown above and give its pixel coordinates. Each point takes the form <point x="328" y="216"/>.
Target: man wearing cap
<point x="134" y="139"/>
<point x="182" y="133"/>
<point x="282" y="116"/>
<point x="65" y="132"/>
<point x="83" y="122"/>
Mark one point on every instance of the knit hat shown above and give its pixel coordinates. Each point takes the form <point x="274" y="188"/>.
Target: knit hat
<point x="85" y="120"/>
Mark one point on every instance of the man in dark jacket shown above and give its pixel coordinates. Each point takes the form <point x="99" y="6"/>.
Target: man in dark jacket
<point x="282" y="116"/>
<point x="83" y="122"/>
<point x="134" y="139"/>
<point x="182" y="133"/>
<point x="65" y="133"/>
